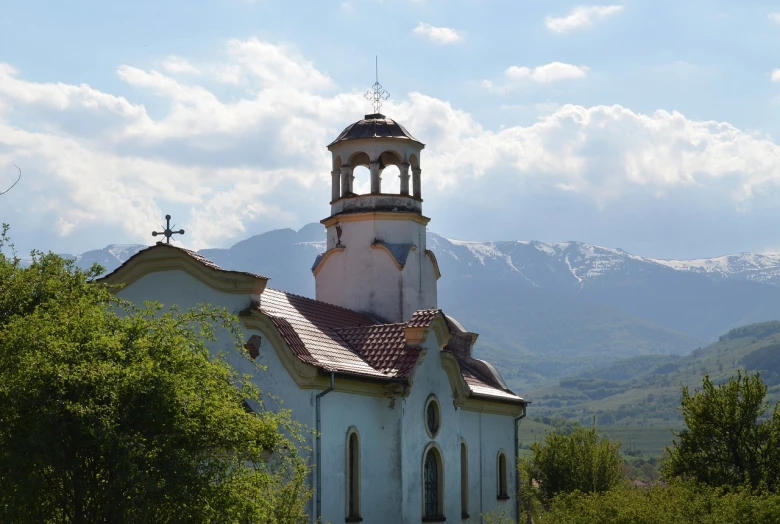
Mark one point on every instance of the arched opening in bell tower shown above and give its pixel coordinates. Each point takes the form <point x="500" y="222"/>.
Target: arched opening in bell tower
<point x="390" y="173"/>
<point x="359" y="177"/>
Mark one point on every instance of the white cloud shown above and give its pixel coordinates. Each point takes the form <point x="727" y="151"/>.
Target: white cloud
<point x="776" y="75"/>
<point x="256" y="160"/>
<point x="544" y="74"/>
<point x="438" y="35"/>
<point x="581" y="16"/>
<point x="179" y="65"/>
<point x="774" y="17"/>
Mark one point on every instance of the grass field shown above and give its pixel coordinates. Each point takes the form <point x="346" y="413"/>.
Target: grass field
<point x="650" y="440"/>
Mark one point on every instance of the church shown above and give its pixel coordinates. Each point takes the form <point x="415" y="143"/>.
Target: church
<point x="410" y="427"/>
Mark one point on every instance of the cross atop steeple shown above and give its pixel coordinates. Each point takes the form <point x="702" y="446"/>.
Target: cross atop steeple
<point x="168" y="232"/>
<point x="377" y="93"/>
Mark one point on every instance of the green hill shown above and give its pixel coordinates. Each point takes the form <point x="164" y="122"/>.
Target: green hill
<point x="645" y="391"/>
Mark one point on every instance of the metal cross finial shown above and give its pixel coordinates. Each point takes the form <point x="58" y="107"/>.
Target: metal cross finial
<point x="377" y="93"/>
<point x="168" y="232"/>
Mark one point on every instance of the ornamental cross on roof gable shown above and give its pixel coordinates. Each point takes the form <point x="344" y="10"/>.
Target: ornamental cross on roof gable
<point x="168" y="232"/>
<point x="376" y="94"/>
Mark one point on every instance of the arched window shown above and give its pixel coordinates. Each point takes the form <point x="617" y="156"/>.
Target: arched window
<point x="353" y="476"/>
<point x="433" y="485"/>
<point x="464" y="481"/>
<point x="501" y="484"/>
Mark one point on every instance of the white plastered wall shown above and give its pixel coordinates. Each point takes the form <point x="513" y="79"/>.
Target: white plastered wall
<point x="366" y="278"/>
<point x="484" y="434"/>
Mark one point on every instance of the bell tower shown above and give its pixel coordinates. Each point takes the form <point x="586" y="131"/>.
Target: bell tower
<point x="376" y="259"/>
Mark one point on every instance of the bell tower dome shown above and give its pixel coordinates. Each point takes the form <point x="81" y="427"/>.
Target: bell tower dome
<point x="376" y="259"/>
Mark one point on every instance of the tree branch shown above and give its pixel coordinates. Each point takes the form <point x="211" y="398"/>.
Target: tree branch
<point x="17" y="180"/>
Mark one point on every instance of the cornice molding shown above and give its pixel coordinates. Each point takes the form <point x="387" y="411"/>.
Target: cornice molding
<point x="436" y="269"/>
<point x="374" y="215"/>
<point x="152" y="261"/>
<point x="462" y="393"/>
<point x="493" y="407"/>
<point x="441" y="330"/>
<point x="460" y="390"/>
<point x="382" y="247"/>
<point x="325" y="257"/>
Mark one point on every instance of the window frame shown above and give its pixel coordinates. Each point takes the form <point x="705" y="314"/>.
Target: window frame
<point x="432" y="400"/>
<point x="439" y="457"/>
<point x="464" y="480"/>
<point x="352" y="465"/>
<point x="502" y="476"/>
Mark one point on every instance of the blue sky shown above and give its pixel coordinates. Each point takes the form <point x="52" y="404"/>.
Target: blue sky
<point x="652" y="126"/>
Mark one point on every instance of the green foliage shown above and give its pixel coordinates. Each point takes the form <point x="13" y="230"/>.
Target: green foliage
<point x="725" y="442"/>
<point x="760" y="330"/>
<point x="678" y="503"/>
<point x="766" y="360"/>
<point x="110" y="413"/>
<point x="582" y="461"/>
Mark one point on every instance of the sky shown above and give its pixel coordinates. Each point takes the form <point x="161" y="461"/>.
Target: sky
<point x="647" y="125"/>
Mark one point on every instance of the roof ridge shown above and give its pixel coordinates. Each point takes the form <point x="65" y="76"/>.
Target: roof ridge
<point x="371" y="326"/>
<point x="317" y="301"/>
<point x="190" y="253"/>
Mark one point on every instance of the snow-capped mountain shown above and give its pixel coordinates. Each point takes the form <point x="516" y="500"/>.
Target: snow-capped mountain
<point x="585" y="262"/>
<point x="110" y="257"/>
<point x="546" y="309"/>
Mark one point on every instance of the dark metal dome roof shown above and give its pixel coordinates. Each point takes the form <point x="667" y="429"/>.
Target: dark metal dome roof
<point x="375" y="126"/>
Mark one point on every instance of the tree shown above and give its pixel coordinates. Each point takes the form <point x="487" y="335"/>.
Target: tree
<point x="112" y="413"/>
<point x="581" y="461"/>
<point x="677" y="503"/>
<point x="726" y="442"/>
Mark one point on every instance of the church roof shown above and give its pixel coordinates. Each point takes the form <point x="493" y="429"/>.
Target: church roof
<point x="156" y="249"/>
<point x="339" y="340"/>
<point x="333" y="338"/>
<point x="375" y="125"/>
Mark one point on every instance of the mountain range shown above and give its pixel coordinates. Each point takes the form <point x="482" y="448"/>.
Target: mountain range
<point x="546" y="310"/>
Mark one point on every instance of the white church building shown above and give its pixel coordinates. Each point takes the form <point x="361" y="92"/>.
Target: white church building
<point x="410" y="427"/>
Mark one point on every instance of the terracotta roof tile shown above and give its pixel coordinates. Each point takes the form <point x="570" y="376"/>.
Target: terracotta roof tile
<point x="345" y="341"/>
<point x="423" y="317"/>
<point x="383" y="347"/>
<point x="312" y="334"/>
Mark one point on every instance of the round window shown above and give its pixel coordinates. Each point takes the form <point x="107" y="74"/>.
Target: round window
<point x="432" y="416"/>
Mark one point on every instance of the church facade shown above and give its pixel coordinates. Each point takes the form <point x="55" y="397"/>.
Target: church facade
<point x="410" y="427"/>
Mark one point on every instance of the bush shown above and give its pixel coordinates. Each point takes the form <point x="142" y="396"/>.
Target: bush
<point x="678" y="503"/>
<point x="581" y="461"/>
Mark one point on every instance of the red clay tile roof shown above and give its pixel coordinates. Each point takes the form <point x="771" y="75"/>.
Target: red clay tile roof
<point x="383" y="347"/>
<point x="423" y="317"/>
<point x="312" y="331"/>
<point x="344" y="341"/>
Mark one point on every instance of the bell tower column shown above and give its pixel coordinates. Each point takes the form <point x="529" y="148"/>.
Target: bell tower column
<point x="417" y="191"/>
<point x="376" y="182"/>
<point x="335" y="184"/>
<point x="346" y="186"/>
<point x="404" y="168"/>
